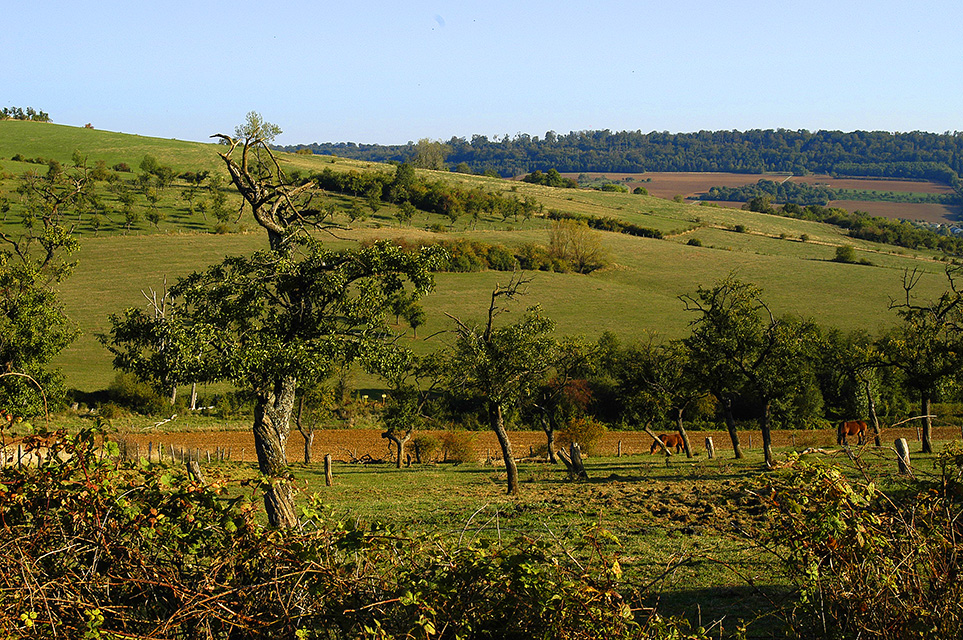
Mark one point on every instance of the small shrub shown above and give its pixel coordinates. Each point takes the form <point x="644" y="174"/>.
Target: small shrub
<point x="458" y="447"/>
<point x="694" y="242"/>
<point x="131" y="393"/>
<point x="739" y="228"/>
<point x="586" y="431"/>
<point x="426" y="448"/>
<point x="122" y="167"/>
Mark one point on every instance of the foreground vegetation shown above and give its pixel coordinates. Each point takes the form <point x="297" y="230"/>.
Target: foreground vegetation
<point x="647" y="547"/>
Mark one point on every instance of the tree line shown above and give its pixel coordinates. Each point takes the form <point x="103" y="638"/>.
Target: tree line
<point x="861" y="225"/>
<point x="917" y="154"/>
<point x="18" y="113"/>
<point x="785" y="191"/>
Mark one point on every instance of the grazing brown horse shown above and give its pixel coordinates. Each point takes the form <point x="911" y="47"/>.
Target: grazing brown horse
<point x="851" y="428"/>
<point x="669" y="440"/>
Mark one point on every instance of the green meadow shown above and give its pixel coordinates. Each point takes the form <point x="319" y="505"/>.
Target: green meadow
<point x="636" y="295"/>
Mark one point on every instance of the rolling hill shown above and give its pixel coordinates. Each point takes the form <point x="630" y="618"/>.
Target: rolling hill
<point x="635" y="295"/>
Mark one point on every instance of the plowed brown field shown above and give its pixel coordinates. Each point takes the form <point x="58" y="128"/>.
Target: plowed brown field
<point x="344" y="444"/>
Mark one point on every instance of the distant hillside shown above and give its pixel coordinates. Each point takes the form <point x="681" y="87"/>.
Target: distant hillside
<point x="655" y="249"/>
<point x="917" y="155"/>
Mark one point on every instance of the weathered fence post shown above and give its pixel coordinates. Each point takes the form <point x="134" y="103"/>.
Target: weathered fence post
<point x="710" y="450"/>
<point x="793" y="436"/>
<point x="903" y="457"/>
<point x="328" y="478"/>
<point x="620" y="449"/>
<point x="194" y="470"/>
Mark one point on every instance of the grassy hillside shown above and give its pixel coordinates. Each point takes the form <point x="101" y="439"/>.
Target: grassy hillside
<point x="635" y="296"/>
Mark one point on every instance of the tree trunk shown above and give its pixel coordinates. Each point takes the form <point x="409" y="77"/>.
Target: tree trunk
<point x="731" y="426"/>
<point x="399" y="444"/>
<point x="272" y="425"/>
<point x="682" y="433"/>
<point x="193" y="396"/>
<point x="871" y="403"/>
<point x="548" y="426"/>
<point x="766" y="434"/>
<point x="927" y="422"/>
<point x="497" y="423"/>
<point x="308" y="443"/>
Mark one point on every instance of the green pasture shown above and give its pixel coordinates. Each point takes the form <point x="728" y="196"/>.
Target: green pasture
<point x="681" y="525"/>
<point x="635" y="296"/>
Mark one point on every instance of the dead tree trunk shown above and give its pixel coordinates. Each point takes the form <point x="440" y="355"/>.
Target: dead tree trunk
<point x="680" y="428"/>
<point x="656" y="438"/>
<point x="573" y="462"/>
<point x="871" y="404"/>
<point x="194" y="471"/>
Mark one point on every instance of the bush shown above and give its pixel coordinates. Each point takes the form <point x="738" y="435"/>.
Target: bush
<point x="426" y="448"/>
<point x="131" y="393"/>
<point x="458" y="447"/>
<point x="867" y="563"/>
<point x="694" y="242"/>
<point x="586" y="431"/>
<point x="91" y="548"/>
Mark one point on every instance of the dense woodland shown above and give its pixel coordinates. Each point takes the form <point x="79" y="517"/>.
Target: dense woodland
<point x="916" y="155"/>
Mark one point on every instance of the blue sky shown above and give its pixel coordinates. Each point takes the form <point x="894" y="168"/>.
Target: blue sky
<point x="393" y="71"/>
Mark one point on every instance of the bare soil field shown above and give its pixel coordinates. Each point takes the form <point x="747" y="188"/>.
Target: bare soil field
<point x="691" y="185"/>
<point x="934" y="213"/>
<point x="874" y="184"/>
<point x="345" y="444"/>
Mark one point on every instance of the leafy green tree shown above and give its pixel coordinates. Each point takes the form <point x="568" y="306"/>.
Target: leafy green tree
<point x="654" y="383"/>
<point x="34" y="263"/>
<point x="928" y="346"/>
<point x="737" y="343"/>
<point x="431" y="155"/>
<point x="502" y="365"/>
<point x="566" y="394"/>
<point x="158" y="344"/>
<point x="295" y="312"/>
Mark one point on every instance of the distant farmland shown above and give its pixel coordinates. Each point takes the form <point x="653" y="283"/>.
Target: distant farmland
<point x="691" y="185"/>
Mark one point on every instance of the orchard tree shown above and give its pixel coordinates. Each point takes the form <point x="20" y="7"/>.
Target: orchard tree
<point x="654" y="382"/>
<point x="502" y="365"/>
<point x="928" y="346"/>
<point x="295" y="312"/>
<point x="738" y="345"/>
<point x="34" y="262"/>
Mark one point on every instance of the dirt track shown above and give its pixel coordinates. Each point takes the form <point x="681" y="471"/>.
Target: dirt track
<point x="343" y="444"/>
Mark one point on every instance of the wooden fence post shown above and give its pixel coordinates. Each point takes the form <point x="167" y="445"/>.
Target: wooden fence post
<point x="328" y="479"/>
<point x="620" y="449"/>
<point x="903" y="457"/>
<point x="194" y="470"/>
<point x="710" y="450"/>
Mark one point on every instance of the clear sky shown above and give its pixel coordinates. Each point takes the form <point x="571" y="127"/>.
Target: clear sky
<point x="391" y="71"/>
